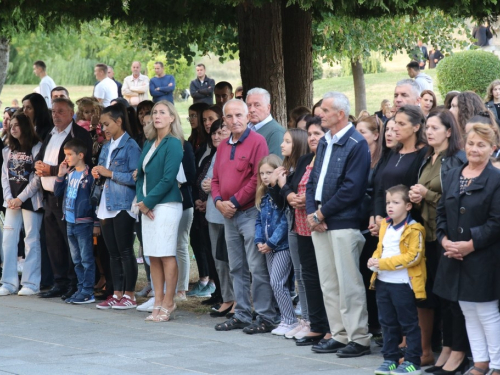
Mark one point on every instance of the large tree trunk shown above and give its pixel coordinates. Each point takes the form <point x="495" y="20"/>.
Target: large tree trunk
<point x="4" y="59"/>
<point x="358" y="75"/>
<point x="297" y="55"/>
<point x="261" y="53"/>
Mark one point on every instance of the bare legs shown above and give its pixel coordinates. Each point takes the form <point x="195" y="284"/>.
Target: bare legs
<point x="164" y="270"/>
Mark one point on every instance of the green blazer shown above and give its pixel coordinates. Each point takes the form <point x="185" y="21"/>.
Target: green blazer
<point x="160" y="173"/>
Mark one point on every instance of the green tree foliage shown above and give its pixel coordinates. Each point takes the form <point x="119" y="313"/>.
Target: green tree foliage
<point x="72" y="52"/>
<point x="339" y="37"/>
<point x="469" y="70"/>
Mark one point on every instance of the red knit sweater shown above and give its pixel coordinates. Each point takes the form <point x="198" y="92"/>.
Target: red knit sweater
<point x="236" y="168"/>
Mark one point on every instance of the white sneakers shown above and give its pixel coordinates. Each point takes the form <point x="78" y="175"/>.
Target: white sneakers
<point x="4" y="291"/>
<point x="147" y="306"/>
<point x="302" y="329"/>
<point x="26" y="292"/>
<point x="283" y="328"/>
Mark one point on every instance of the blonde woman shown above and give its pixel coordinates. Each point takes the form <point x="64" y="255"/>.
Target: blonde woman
<point x="160" y="201"/>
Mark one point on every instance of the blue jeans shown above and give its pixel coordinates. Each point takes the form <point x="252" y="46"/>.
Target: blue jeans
<point x="397" y="314"/>
<point x="82" y="254"/>
<point x="14" y="220"/>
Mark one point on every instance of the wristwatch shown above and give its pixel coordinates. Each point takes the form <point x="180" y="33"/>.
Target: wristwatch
<point x="316" y="219"/>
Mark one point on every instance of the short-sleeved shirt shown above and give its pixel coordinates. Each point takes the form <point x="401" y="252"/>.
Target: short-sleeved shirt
<point x="71" y="193"/>
<point x="20" y="165"/>
<point x="106" y="90"/>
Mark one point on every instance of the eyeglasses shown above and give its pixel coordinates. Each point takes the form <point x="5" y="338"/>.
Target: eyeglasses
<point x="190" y="117"/>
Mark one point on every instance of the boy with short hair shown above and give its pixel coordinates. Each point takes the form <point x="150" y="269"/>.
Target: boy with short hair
<point x="74" y="181"/>
<point x="399" y="277"/>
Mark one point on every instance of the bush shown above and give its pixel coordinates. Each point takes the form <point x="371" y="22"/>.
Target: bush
<point x="317" y="70"/>
<point x="370" y="64"/>
<point x="468" y="70"/>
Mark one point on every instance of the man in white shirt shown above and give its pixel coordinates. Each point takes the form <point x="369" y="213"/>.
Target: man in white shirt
<point x="106" y="90"/>
<point x="46" y="83"/>
<point x="335" y="192"/>
<point x="50" y="156"/>
<point x="135" y="87"/>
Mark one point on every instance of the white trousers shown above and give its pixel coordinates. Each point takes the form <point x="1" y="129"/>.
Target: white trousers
<point x="482" y="320"/>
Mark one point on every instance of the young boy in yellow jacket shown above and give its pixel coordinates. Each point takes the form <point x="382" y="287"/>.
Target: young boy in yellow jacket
<point x="399" y="278"/>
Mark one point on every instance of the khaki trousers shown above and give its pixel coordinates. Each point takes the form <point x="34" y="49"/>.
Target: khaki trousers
<point x="337" y="254"/>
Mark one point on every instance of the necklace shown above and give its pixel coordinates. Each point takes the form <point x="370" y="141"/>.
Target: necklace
<point x="400" y="157"/>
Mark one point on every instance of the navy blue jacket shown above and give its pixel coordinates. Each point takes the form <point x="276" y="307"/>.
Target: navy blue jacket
<point x="202" y="92"/>
<point x="345" y="182"/>
<point x="271" y="226"/>
<point x="84" y="210"/>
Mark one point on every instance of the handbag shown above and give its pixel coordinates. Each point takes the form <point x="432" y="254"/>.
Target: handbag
<point x="221" y="251"/>
<point x="96" y="191"/>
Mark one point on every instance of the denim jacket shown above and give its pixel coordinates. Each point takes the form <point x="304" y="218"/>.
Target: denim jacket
<point x="120" y="189"/>
<point x="84" y="210"/>
<point x="271" y="226"/>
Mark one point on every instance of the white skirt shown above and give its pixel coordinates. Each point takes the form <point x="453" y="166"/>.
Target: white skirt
<point x="159" y="236"/>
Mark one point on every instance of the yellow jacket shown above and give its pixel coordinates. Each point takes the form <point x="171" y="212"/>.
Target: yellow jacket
<point x="412" y="247"/>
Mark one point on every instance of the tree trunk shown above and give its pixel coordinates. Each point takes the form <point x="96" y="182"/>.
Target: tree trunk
<point x="358" y="77"/>
<point x="261" y="53"/>
<point x="298" y="56"/>
<point x="4" y="59"/>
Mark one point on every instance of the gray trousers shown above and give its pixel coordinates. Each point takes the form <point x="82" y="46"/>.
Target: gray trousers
<point x="225" y="278"/>
<point x="294" y="252"/>
<point x="245" y="259"/>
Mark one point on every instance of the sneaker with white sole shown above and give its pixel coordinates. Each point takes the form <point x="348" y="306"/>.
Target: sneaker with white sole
<point x="206" y="291"/>
<point x="283" y="328"/>
<point x="386" y="368"/>
<point x="110" y="301"/>
<point x="197" y="288"/>
<point x="144" y="291"/>
<point x="306" y="329"/>
<point x="147" y="306"/>
<point x="25" y="291"/>
<point x="125" y="303"/>
<point x="5" y="292"/>
<point x="291" y="334"/>
<point x="407" y="368"/>
<point x="81" y="299"/>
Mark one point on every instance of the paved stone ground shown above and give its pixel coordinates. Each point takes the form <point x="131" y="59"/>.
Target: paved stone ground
<point x="40" y="336"/>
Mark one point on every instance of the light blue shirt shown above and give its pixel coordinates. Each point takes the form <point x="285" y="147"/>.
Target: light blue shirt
<point x="330" y="140"/>
<point x="259" y="125"/>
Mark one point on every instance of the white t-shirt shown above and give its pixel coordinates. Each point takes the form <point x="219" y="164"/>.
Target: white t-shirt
<point x="46" y="86"/>
<point x="390" y="248"/>
<point x="106" y="90"/>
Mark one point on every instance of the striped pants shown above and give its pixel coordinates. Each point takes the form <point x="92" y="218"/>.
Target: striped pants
<point x="279" y="265"/>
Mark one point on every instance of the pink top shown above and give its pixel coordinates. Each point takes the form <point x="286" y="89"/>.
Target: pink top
<point x="301" y="227"/>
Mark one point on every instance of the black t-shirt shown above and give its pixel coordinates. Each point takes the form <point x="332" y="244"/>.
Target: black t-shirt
<point x="396" y="169"/>
<point x="20" y="166"/>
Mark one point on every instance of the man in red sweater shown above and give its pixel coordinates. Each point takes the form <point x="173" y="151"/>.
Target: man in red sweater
<point x="234" y="184"/>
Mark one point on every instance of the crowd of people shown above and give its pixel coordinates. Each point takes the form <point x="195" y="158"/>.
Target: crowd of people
<point x="405" y="202"/>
